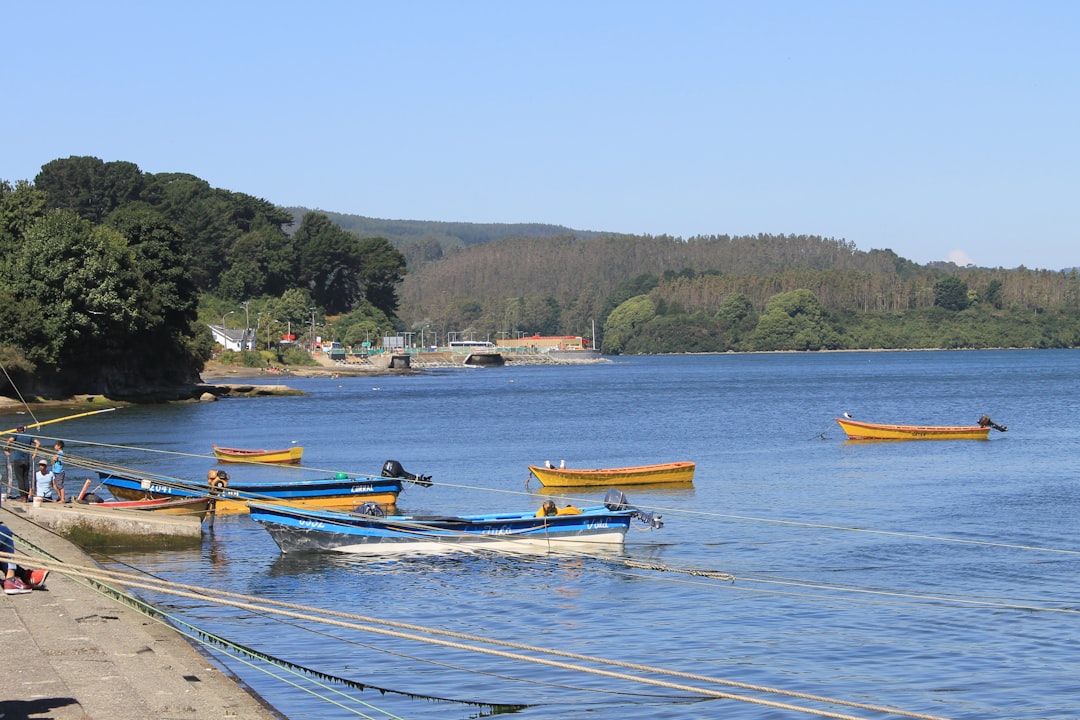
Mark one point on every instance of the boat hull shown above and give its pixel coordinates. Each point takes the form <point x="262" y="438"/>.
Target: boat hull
<point x="297" y="530"/>
<point x="331" y="493"/>
<point x="877" y="431"/>
<point x="192" y="507"/>
<point x="675" y="472"/>
<point x="285" y="456"/>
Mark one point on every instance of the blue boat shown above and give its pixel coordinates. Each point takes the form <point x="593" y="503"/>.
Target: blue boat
<point x="368" y="531"/>
<point x="343" y="491"/>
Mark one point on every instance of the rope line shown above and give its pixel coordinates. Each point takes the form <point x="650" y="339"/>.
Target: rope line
<point x="95" y="465"/>
<point x="407" y="631"/>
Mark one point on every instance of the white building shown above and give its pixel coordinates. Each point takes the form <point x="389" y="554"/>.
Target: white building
<point x="235" y="340"/>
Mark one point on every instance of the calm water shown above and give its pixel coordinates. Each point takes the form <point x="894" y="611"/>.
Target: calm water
<point x="850" y="580"/>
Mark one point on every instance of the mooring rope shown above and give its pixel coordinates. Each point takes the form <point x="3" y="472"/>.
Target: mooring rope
<point x="407" y="631"/>
<point x="678" y="512"/>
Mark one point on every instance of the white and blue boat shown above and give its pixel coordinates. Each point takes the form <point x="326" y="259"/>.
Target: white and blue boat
<point x="367" y="531"/>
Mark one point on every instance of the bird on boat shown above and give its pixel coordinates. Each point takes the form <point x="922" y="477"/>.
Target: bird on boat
<point x="549" y="465"/>
<point x="848" y="416"/>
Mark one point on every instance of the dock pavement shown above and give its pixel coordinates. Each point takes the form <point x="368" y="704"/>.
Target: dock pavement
<point x="70" y="652"/>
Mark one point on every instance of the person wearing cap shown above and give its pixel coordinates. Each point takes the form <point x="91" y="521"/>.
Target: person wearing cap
<point x="19" y="447"/>
<point x="58" y="468"/>
<point x="45" y="481"/>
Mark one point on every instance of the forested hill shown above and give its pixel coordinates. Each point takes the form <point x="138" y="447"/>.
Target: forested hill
<point x="423" y="241"/>
<point x="708" y="294"/>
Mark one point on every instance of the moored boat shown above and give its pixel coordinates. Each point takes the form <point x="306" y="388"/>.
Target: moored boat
<point x="194" y="506"/>
<point x="289" y="455"/>
<point x="673" y="472"/>
<point x="369" y="532"/>
<point x="857" y="430"/>
<point x="343" y="491"/>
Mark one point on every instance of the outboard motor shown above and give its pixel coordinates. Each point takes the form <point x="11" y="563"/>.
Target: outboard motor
<point x="615" y="500"/>
<point x="985" y="421"/>
<point x="393" y="469"/>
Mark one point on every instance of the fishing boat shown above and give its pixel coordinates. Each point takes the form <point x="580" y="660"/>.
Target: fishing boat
<point x="673" y="472"/>
<point x="368" y="531"/>
<point x="194" y="506"/>
<point x="289" y="455"/>
<point x="343" y="491"/>
<point x="857" y="430"/>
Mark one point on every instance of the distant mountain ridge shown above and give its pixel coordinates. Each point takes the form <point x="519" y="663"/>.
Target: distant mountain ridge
<point x="449" y="234"/>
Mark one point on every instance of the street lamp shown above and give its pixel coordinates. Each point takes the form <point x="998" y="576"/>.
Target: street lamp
<point x="311" y="346"/>
<point x="224" y="335"/>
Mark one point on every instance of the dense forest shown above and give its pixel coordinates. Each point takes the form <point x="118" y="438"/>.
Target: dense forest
<point x="112" y="275"/>
<point x="719" y="293"/>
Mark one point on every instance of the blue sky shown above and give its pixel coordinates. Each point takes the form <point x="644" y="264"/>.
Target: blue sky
<point x="939" y="130"/>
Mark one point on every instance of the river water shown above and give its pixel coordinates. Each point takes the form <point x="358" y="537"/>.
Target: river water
<point x="933" y="577"/>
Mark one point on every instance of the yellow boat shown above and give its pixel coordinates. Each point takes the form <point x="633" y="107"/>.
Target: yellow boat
<point x="673" y="472"/>
<point x="286" y="456"/>
<point x="878" y="431"/>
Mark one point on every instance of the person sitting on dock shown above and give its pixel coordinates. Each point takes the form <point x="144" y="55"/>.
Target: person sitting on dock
<point x="45" y="481"/>
<point x="12" y="584"/>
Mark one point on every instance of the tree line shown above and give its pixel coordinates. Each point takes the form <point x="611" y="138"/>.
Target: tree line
<point x="111" y="275"/>
<point x="709" y="294"/>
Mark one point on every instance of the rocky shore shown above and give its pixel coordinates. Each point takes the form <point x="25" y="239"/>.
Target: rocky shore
<point x="221" y="381"/>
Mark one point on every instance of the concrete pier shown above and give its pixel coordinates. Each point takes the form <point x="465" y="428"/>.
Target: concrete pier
<point x="72" y="652"/>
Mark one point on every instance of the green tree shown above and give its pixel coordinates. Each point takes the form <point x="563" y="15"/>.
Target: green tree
<point x="100" y="311"/>
<point x="625" y="321"/>
<point x="793" y="321"/>
<point x="20" y="207"/>
<point x="329" y="263"/>
<point x="90" y="187"/>
<point x="736" y="319"/>
<point x="540" y="315"/>
<point x="382" y="270"/>
<point x="161" y="263"/>
<point x="951" y="293"/>
<point x="993" y="293"/>
<point x="361" y="325"/>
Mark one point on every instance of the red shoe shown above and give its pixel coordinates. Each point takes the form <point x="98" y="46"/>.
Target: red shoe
<point x="37" y="579"/>
<point x="15" y="586"/>
<point x="33" y="579"/>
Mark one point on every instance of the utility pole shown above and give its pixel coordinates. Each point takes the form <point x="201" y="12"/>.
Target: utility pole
<point x="247" y="325"/>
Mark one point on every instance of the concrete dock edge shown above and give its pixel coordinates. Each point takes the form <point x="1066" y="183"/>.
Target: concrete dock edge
<point x="72" y="653"/>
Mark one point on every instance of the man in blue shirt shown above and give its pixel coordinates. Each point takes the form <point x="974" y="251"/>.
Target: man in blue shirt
<point x="18" y="448"/>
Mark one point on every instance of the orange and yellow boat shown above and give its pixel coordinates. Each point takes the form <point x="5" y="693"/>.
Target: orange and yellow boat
<point x="286" y="456"/>
<point x="673" y="472"/>
<point x="857" y="430"/>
